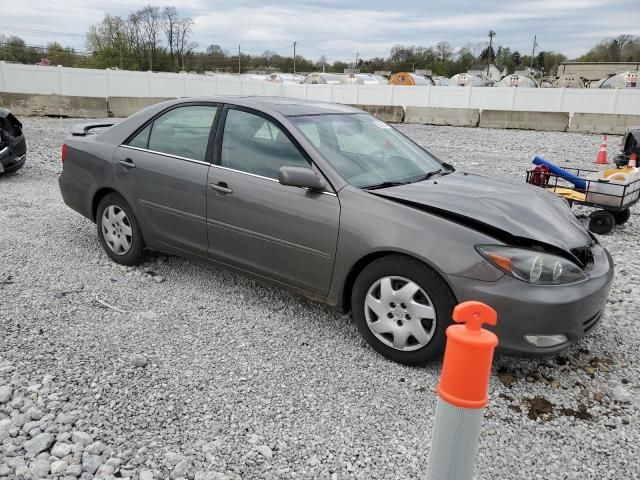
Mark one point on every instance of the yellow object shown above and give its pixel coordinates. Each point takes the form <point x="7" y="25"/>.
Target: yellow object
<point x="401" y="78"/>
<point x="568" y="193"/>
<point x="408" y="78"/>
<point x="612" y="171"/>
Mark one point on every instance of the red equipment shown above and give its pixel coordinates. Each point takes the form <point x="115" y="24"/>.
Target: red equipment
<point x="539" y="176"/>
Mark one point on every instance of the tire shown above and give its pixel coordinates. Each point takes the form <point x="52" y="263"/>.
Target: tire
<point x="622" y="216"/>
<point x="122" y="240"/>
<point x="404" y="316"/>
<point x="601" y="222"/>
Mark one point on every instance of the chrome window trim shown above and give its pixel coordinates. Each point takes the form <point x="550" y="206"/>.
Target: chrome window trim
<point x="246" y="173"/>
<point x="165" y="154"/>
<point x="263" y="177"/>
<point x="211" y="165"/>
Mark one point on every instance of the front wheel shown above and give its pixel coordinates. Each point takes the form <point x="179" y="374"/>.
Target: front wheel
<point x="402" y="308"/>
<point x="118" y="230"/>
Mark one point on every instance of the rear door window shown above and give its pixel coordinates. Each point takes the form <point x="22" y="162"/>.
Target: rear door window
<point x="141" y="140"/>
<point x="182" y="131"/>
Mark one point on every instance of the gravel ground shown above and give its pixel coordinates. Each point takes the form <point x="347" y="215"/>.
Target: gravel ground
<point x="180" y="370"/>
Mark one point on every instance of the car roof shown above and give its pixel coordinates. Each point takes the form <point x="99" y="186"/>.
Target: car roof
<point x="289" y="107"/>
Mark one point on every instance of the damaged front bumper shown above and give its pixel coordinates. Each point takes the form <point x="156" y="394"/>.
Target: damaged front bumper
<point x="13" y="146"/>
<point x="11" y="163"/>
<point x="538" y="320"/>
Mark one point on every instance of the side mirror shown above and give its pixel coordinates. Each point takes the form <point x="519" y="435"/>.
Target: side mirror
<point x="300" y="177"/>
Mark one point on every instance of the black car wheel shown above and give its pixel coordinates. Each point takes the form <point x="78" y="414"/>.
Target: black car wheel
<point x="601" y="222"/>
<point x="622" y="216"/>
<point x="118" y="230"/>
<point x="402" y="308"/>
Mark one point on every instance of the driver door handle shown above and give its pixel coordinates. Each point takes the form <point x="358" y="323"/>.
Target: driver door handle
<point x="221" y="188"/>
<point x="128" y="163"/>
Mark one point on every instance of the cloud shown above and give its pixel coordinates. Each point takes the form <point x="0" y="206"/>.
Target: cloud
<point x="339" y="29"/>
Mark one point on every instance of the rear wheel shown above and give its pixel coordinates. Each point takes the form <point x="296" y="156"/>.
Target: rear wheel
<point x="402" y="308"/>
<point x="118" y="230"/>
<point x="622" y="216"/>
<point x="601" y="222"/>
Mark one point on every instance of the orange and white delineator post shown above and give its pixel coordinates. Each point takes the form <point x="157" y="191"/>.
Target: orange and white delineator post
<point x="462" y="393"/>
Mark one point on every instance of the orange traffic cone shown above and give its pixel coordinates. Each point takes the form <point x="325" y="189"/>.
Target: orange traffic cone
<point x="602" y="157"/>
<point x="633" y="160"/>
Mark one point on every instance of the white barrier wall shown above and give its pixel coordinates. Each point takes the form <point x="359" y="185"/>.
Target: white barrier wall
<point x="17" y="78"/>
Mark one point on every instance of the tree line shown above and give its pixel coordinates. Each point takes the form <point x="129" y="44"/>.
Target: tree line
<point x="159" y="39"/>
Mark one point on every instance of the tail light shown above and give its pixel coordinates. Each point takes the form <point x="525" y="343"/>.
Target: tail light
<point x="64" y="152"/>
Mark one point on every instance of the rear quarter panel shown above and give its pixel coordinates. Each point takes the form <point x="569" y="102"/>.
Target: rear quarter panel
<point x="87" y="168"/>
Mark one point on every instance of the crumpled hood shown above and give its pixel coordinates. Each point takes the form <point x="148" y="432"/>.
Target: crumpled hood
<point x="518" y="209"/>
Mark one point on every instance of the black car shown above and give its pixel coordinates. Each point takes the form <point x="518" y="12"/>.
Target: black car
<point x="13" y="146"/>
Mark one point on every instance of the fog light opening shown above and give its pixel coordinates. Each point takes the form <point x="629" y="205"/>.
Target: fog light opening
<point x="545" y="341"/>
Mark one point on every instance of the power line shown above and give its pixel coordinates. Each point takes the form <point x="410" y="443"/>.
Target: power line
<point x="85" y="56"/>
<point x="34" y="30"/>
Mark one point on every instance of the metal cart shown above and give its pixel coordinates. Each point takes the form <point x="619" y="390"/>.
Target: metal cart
<point x="612" y="201"/>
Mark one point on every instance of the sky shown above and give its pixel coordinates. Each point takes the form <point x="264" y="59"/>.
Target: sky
<point x="341" y="29"/>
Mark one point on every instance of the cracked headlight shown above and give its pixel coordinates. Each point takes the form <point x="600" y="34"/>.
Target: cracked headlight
<point x="532" y="266"/>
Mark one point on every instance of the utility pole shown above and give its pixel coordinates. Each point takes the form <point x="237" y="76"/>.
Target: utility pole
<point x="294" y="57"/>
<point x="491" y="35"/>
<point x="355" y="65"/>
<point x="239" y="64"/>
<point x="533" y="52"/>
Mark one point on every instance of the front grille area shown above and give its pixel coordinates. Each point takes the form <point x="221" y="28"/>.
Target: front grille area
<point x="592" y="322"/>
<point x="584" y="256"/>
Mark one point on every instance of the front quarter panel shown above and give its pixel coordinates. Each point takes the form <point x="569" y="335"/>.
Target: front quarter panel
<point x="370" y="224"/>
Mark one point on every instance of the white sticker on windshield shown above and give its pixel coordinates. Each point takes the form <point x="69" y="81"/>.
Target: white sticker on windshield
<point x="380" y="123"/>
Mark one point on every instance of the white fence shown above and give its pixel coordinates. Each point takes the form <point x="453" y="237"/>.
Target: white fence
<point x="18" y="78"/>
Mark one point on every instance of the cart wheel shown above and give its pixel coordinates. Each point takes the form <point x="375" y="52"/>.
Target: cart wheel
<point x="601" y="222"/>
<point x="622" y="216"/>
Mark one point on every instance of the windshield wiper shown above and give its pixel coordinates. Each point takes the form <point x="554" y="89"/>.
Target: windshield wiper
<point x="383" y="185"/>
<point x="421" y="178"/>
<point x="428" y="175"/>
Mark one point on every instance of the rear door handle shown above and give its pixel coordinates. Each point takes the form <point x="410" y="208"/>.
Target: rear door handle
<point x="128" y="163"/>
<point x="221" y="188"/>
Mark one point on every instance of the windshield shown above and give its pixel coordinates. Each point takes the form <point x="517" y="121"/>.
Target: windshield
<point x="366" y="152"/>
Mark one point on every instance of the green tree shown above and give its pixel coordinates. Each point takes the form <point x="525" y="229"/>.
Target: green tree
<point x="516" y="59"/>
<point x="623" y="48"/>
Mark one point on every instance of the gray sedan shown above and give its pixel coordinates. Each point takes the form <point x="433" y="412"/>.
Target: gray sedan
<point x="339" y="206"/>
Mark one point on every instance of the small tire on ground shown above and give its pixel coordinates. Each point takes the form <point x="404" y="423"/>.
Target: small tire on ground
<point x="426" y="278"/>
<point x="601" y="222"/>
<point x="133" y="256"/>
<point x="622" y="216"/>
